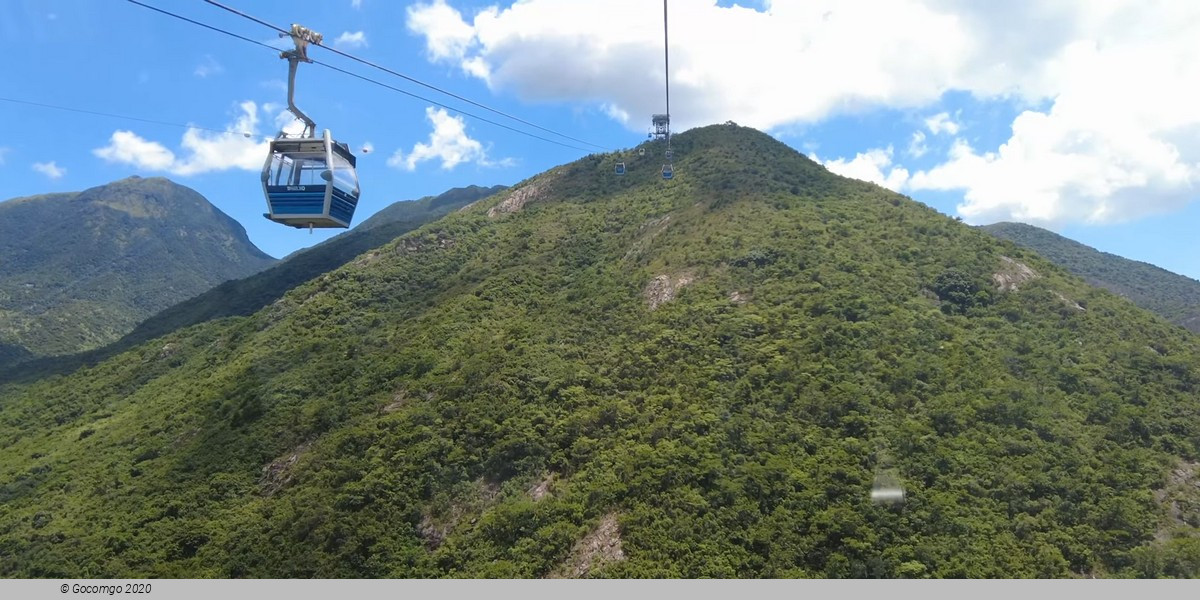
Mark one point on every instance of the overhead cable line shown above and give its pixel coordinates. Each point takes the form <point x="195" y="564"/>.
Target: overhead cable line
<point x="364" y="78"/>
<point x="129" y="118"/>
<point x="406" y="77"/>
<point x="667" y="67"/>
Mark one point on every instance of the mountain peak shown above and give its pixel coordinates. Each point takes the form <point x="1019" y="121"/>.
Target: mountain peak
<point x="80" y="269"/>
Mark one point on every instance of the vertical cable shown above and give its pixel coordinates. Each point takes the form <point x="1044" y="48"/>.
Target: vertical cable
<point x="667" y="77"/>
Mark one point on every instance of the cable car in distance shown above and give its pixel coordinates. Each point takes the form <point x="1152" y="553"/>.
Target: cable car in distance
<point x="668" y="172"/>
<point x="620" y="170"/>
<point x="308" y="181"/>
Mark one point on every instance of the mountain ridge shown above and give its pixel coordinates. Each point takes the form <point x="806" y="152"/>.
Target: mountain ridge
<point x="79" y="269"/>
<point x="1173" y="296"/>
<point x="242" y="297"/>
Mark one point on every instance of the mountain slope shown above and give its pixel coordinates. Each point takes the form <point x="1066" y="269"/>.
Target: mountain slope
<point x="80" y="270"/>
<point x="430" y="207"/>
<point x="1175" y="297"/>
<point x="598" y="376"/>
<point x="245" y="296"/>
<point x="241" y="297"/>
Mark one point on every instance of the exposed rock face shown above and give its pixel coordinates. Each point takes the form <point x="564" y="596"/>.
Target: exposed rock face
<point x="1012" y="274"/>
<point x="518" y="198"/>
<point x="278" y="473"/>
<point x="598" y="548"/>
<point x="542" y="489"/>
<point x="664" y="288"/>
<point x="1069" y="302"/>
<point x="1181" y="497"/>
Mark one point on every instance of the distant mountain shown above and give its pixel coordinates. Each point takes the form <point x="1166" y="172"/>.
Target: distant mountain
<point x="429" y="207"/>
<point x="1173" y="296"/>
<point x="79" y="270"/>
<point x="599" y="376"/>
<point x="242" y="297"/>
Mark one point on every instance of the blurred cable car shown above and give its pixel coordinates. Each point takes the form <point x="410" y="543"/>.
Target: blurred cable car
<point x="886" y="489"/>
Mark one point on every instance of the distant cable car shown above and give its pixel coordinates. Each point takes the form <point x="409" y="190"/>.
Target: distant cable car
<point x="668" y="172"/>
<point x="620" y="168"/>
<point x="308" y="181"/>
<point x="641" y="151"/>
<point x="670" y="155"/>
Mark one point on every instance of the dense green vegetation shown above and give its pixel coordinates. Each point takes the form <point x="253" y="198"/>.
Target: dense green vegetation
<point x="242" y="297"/>
<point x="79" y="270"/>
<point x="1175" y="297"/>
<point x="427" y="208"/>
<point x="480" y="395"/>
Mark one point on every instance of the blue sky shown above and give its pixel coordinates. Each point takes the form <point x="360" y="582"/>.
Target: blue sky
<point x="1067" y="117"/>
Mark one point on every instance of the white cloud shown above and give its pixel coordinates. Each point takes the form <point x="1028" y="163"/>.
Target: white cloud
<point x="448" y="142"/>
<point x="208" y="66"/>
<point x="615" y="112"/>
<point x="1120" y="141"/>
<point x="727" y="62"/>
<point x="870" y="166"/>
<point x="1111" y="132"/>
<point x="49" y="169"/>
<point x="941" y="123"/>
<point x="202" y="151"/>
<point x="447" y="36"/>
<point x="357" y="4"/>
<point x="917" y="147"/>
<point x="358" y="39"/>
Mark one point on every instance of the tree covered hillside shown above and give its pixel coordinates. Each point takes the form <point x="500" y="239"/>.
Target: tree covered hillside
<point x="602" y="376"/>
<point x="241" y="297"/>
<point x="79" y="270"/>
<point x="1175" y="297"/>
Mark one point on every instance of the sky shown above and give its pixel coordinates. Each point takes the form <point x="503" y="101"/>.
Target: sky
<point x="1080" y="116"/>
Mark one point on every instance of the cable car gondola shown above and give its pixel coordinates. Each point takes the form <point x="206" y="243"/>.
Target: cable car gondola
<point x="308" y="181"/>
<point x="620" y="170"/>
<point x="668" y="172"/>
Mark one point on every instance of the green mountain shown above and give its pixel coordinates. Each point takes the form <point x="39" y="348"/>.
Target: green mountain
<point x="602" y="376"/>
<point x="430" y="207"/>
<point x="1175" y="297"/>
<point x="242" y="297"/>
<point x="79" y="270"/>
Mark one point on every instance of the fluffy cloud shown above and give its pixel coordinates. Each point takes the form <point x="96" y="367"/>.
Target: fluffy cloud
<point x="447" y="37"/>
<point x="448" y="142"/>
<point x="792" y="62"/>
<point x="49" y="169"/>
<point x="357" y="39"/>
<point x="203" y="151"/>
<point x="1111" y="131"/>
<point x="870" y="166"/>
<point x="940" y="123"/>
<point x="917" y="147"/>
